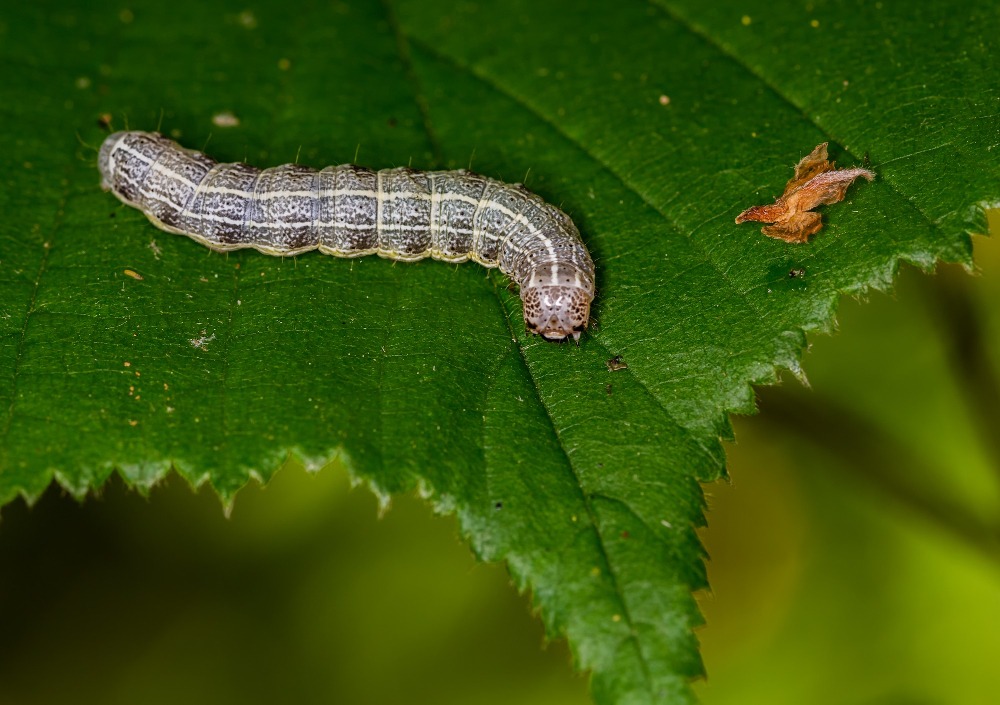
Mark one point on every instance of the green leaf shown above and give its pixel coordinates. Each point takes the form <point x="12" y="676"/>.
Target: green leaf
<point x="653" y="126"/>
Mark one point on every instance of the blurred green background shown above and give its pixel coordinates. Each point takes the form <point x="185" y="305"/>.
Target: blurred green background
<point x="855" y="557"/>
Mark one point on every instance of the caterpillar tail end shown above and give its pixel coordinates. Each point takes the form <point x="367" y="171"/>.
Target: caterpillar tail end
<point x="105" y="162"/>
<point x="556" y="312"/>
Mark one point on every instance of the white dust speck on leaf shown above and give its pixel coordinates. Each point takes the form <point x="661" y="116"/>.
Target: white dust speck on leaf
<point x="201" y="341"/>
<point x="225" y="119"/>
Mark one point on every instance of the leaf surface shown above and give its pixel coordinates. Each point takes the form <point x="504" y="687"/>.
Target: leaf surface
<point x="651" y="125"/>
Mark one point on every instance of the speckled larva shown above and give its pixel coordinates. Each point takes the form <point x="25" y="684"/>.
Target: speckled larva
<point x="350" y="211"/>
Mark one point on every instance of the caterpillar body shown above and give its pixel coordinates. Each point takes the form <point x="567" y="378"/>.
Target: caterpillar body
<point x="350" y="211"/>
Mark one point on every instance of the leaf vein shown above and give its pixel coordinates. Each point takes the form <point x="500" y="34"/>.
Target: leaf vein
<point x="692" y="27"/>
<point x="19" y="352"/>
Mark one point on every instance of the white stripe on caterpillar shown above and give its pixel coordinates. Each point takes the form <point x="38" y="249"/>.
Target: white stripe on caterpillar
<point x="350" y="211"/>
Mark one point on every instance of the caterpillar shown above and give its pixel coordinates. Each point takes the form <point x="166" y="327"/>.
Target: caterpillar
<point x="351" y="211"/>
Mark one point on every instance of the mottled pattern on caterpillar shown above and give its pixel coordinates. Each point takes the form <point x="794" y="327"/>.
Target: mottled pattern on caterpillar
<point x="350" y="211"/>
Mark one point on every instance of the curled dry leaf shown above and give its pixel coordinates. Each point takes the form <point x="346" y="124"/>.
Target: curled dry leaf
<point x="816" y="183"/>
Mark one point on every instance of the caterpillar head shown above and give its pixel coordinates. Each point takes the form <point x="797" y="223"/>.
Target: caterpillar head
<point x="556" y="312"/>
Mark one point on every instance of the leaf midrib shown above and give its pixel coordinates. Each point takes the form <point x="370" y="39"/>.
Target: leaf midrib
<point x="577" y="483"/>
<point x="585" y="500"/>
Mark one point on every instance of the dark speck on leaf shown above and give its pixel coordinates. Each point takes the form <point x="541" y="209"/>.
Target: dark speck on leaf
<point x="797" y="272"/>
<point x="607" y="388"/>
<point x="498" y="506"/>
<point x="616" y="363"/>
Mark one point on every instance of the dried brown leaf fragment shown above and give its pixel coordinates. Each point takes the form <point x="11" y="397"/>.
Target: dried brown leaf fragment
<point x="816" y="182"/>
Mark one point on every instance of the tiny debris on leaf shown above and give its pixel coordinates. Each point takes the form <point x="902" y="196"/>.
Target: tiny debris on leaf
<point x="225" y="119"/>
<point x="201" y="341"/>
<point x="816" y="182"/>
<point x="616" y="363"/>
